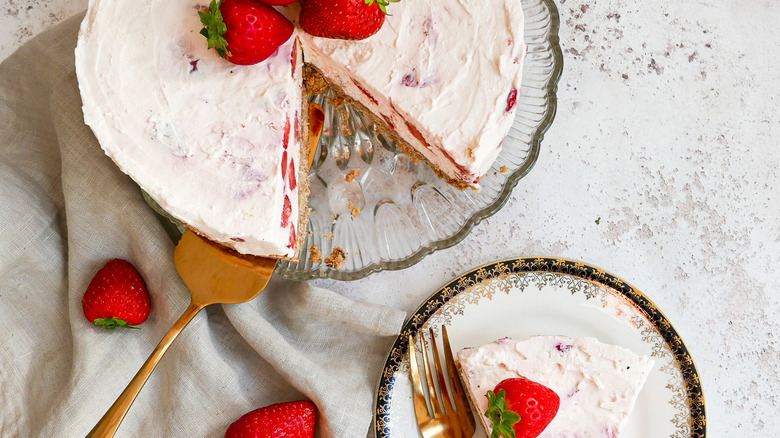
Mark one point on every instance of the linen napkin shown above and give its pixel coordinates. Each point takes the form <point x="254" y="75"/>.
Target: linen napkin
<point x="67" y="210"/>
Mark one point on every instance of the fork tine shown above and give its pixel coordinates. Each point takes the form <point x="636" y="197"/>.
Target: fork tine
<point x="420" y="405"/>
<point x="435" y="404"/>
<point x="457" y="387"/>
<point x="448" y="409"/>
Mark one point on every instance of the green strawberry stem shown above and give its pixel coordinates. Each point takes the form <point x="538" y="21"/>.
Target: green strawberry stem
<point x="112" y="323"/>
<point x="214" y="27"/>
<point x="502" y="420"/>
<point x="381" y="3"/>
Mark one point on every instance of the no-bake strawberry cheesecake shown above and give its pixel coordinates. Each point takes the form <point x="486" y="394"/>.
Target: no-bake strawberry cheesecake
<point x="597" y="383"/>
<point x="218" y="145"/>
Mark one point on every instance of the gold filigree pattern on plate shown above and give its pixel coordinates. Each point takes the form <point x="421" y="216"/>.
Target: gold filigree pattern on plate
<point x="612" y="293"/>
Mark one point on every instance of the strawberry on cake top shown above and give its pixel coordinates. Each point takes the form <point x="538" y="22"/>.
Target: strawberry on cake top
<point x="219" y="145"/>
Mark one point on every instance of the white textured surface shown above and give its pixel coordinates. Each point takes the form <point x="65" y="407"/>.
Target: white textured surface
<point x="666" y="131"/>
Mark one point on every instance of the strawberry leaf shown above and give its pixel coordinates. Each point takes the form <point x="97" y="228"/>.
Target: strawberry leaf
<point x="112" y="323"/>
<point x="501" y="419"/>
<point x="214" y="27"/>
<point x="381" y="3"/>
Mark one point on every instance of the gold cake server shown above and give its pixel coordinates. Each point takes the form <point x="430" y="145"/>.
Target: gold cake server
<point x="214" y="274"/>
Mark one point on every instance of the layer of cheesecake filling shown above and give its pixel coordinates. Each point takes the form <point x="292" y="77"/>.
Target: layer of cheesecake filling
<point x="597" y="383"/>
<point x="216" y="145"/>
<point x="443" y="75"/>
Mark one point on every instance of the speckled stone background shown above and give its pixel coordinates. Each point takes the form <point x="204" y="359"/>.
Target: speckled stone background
<point x="661" y="167"/>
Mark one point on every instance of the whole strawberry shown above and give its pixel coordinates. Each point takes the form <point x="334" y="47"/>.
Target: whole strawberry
<point x="116" y="297"/>
<point x="290" y="419"/>
<point x="521" y="408"/>
<point x="278" y="2"/>
<point x="244" y="31"/>
<point x="343" y="19"/>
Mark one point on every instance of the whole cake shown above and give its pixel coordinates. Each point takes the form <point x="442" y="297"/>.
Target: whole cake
<point x="219" y="145"/>
<point x="597" y="383"/>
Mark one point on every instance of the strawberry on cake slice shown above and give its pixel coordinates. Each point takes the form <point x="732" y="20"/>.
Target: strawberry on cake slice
<point x="594" y="385"/>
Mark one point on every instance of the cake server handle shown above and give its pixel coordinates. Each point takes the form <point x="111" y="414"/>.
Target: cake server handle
<point x="110" y="422"/>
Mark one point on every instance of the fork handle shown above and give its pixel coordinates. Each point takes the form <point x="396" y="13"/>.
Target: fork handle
<point x="108" y="425"/>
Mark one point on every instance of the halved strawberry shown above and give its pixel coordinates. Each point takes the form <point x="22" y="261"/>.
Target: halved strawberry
<point x="244" y="31"/>
<point x="293" y="237"/>
<point x="343" y="19"/>
<point x="292" y="182"/>
<point x="286" y="211"/>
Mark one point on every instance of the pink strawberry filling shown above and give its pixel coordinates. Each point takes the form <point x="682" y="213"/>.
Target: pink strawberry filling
<point x="292" y="181"/>
<point x="286" y="133"/>
<point x="293" y="236"/>
<point x="511" y="100"/>
<point x="286" y="212"/>
<point x="370" y="97"/>
<point x="284" y="165"/>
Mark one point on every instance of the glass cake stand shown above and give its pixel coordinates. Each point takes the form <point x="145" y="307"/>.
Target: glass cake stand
<point x="396" y="211"/>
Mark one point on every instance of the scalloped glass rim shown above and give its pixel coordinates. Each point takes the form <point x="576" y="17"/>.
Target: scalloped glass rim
<point x="552" y="40"/>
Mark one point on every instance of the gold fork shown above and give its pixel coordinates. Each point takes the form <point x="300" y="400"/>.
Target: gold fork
<point x="448" y="416"/>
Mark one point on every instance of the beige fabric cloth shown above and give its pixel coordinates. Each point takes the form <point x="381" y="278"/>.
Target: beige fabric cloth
<point x="66" y="210"/>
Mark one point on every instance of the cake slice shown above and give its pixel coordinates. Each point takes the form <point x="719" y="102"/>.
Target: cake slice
<point x="597" y="383"/>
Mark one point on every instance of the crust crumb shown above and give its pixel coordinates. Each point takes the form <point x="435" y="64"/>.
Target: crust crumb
<point x="315" y="255"/>
<point x="354" y="209"/>
<point x="328" y="236"/>
<point x="337" y="258"/>
<point x="354" y="173"/>
<point x="503" y="169"/>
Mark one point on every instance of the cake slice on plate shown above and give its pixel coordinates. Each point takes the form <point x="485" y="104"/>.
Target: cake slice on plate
<point x="597" y="383"/>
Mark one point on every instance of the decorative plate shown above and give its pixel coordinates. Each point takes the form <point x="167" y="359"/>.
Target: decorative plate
<point x="552" y="296"/>
<point x="406" y="211"/>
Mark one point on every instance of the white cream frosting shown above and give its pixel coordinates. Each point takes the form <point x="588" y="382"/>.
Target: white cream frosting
<point x="203" y="137"/>
<point x="597" y="383"/>
<point x="448" y="67"/>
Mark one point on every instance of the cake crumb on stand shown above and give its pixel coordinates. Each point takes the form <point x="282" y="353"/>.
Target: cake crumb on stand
<point x="354" y="173"/>
<point x="315" y="255"/>
<point x="354" y="210"/>
<point x="337" y="258"/>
